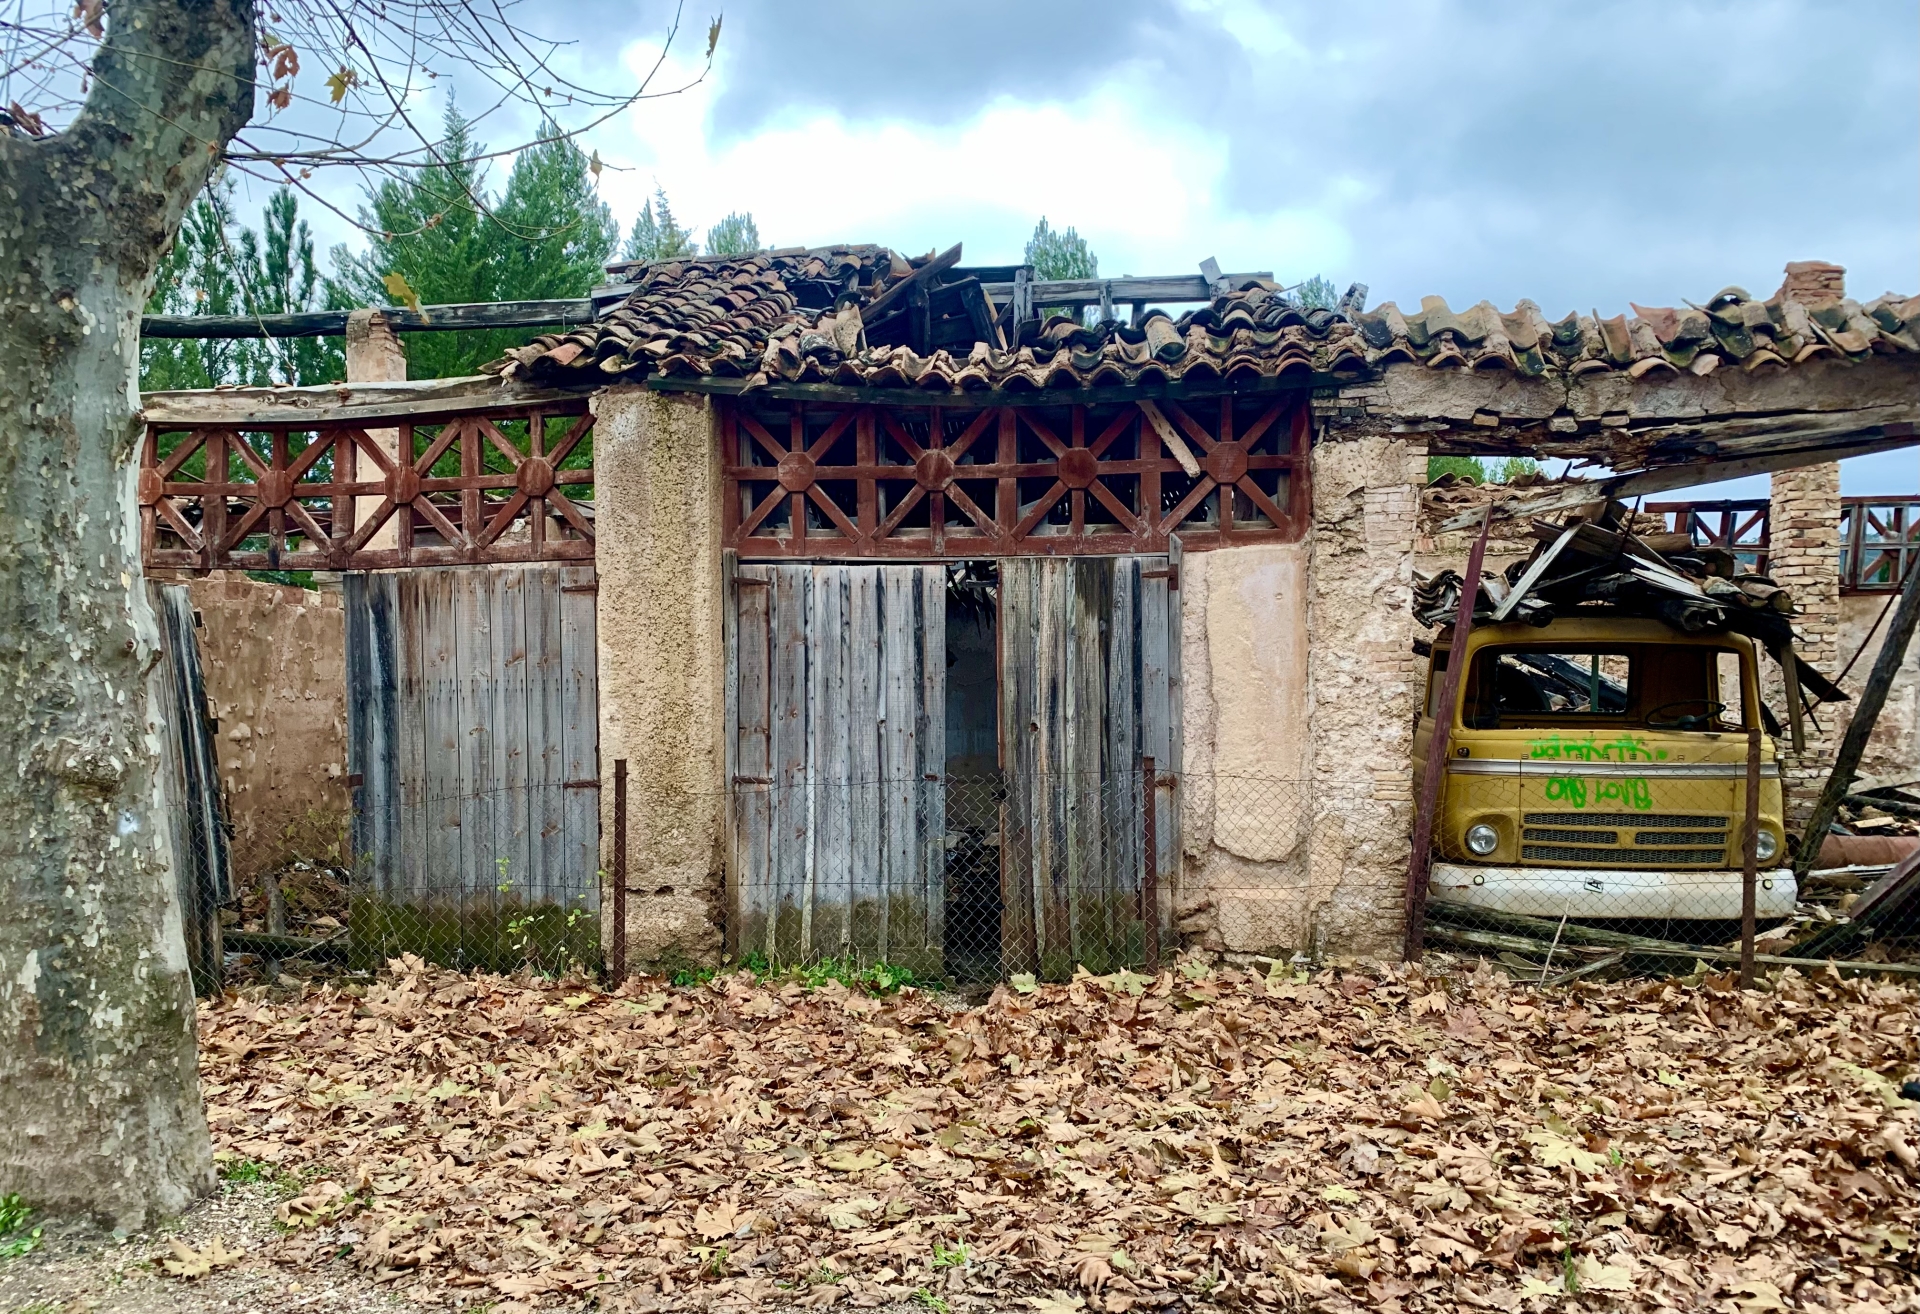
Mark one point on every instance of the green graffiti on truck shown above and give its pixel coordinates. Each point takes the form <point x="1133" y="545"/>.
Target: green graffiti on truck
<point x="1627" y="792"/>
<point x="1566" y="748"/>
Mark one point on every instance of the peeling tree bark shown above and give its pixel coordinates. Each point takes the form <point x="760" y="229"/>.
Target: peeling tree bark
<point x="102" y="1111"/>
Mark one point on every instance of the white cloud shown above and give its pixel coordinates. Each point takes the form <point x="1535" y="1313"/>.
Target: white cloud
<point x="1143" y="187"/>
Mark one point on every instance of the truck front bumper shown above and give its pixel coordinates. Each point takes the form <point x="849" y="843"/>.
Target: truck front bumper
<point x="1603" y="892"/>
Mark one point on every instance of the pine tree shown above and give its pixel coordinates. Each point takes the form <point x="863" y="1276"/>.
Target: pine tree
<point x="554" y="231"/>
<point x="430" y="228"/>
<point x="1316" y="293"/>
<point x="218" y="267"/>
<point x="657" y="235"/>
<point x="737" y="234"/>
<point x="277" y="276"/>
<point x="1054" y="253"/>
<point x="547" y="238"/>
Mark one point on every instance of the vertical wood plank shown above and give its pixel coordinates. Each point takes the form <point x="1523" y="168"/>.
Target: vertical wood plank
<point x="753" y="764"/>
<point x="398" y="651"/>
<point x="505" y="590"/>
<point x="579" y="730"/>
<point x="1019" y="729"/>
<point x="547" y="858"/>
<point x="866" y="843"/>
<point x="828" y="832"/>
<point x="899" y="747"/>
<point x="428" y="598"/>
<point x="933" y="769"/>
<point x="788" y="734"/>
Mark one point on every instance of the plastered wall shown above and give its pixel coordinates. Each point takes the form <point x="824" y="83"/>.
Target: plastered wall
<point x="275" y="660"/>
<point x="662" y="665"/>
<point x="1300" y="687"/>
<point x="1245" y="815"/>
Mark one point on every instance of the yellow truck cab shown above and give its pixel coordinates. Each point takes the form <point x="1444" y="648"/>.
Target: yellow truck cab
<point x="1597" y="769"/>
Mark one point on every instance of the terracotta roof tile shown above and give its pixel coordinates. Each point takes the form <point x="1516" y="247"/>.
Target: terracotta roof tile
<point x="795" y="316"/>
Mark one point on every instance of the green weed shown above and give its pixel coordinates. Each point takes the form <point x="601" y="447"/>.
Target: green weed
<point x="946" y="1256"/>
<point x="921" y="1296"/>
<point x="16" y="1239"/>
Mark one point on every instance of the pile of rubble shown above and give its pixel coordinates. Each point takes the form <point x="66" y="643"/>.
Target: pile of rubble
<point x="1595" y="563"/>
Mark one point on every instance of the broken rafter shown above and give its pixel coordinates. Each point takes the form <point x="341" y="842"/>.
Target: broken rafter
<point x="333" y="323"/>
<point x="1734" y="458"/>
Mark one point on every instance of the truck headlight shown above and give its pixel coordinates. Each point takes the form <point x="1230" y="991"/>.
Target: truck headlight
<point x="1765" y="846"/>
<point x="1482" y="839"/>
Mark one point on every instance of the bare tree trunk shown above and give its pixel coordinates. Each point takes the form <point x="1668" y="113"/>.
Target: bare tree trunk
<point x="102" y="1111"/>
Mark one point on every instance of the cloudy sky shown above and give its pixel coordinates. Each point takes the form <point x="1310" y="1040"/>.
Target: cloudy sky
<point x="1581" y="155"/>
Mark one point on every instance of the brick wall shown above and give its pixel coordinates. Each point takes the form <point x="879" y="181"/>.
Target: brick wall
<point x="1805" y="547"/>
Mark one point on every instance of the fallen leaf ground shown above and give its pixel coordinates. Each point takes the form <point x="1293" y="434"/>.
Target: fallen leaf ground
<point x="1387" y="1139"/>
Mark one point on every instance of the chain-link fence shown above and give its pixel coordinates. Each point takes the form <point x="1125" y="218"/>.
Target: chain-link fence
<point x="1554" y="868"/>
<point x="470" y="880"/>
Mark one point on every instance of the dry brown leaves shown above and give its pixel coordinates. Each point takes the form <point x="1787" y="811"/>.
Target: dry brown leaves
<point x="1389" y="1140"/>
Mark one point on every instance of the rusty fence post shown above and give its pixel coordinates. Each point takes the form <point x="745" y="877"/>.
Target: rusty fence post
<point x="1750" y="858"/>
<point x="1420" y="858"/>
<point x="1150" y="867"/>
<point x="617" y="970"/>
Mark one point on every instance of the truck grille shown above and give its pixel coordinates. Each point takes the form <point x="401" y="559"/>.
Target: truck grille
<point x="1665" y="821"/>
<point x="1573" y="836"/>
<point x="1715" y="837"/>
<point x="1624" y="857"/>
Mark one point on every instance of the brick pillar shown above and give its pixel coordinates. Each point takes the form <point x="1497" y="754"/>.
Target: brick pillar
<point x="374" y="355"/>
<point x="1804" y="545"/>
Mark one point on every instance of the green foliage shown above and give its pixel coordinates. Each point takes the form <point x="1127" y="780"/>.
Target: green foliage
<point x="657" y="235"/>
<point x="254" y="1172"/>
<point x="1056" y="253"/>
<point x="1461" y="467"/>
<point x="1511" y="468"/>
<point x="16" y="1239"/>
<point x="927" y="1300"/>
<point x="1316" y="293"/>
<point x="546" y="238"/>
<point x="217" y="266"/>
<point x="950" y="1256"/>
<point x="882" y="978"/>
<point x="737" y="234"/>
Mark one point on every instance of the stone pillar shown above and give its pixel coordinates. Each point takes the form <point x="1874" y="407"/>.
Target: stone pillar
<point x="662" y="667"/>
<point x="1363" y="686"/>
<point x="374" y="355"/>
<point x="1804" y="550"/>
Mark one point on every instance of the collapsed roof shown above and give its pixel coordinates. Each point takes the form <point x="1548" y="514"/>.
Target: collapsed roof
<point x="866" y="317"/>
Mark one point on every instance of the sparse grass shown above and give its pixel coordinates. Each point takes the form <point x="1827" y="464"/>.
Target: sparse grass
<point x="881" y="978"/>
<point x="254" y="1172"/>
<point x="923" y="1297"/>
<point x="946" y="1256"/>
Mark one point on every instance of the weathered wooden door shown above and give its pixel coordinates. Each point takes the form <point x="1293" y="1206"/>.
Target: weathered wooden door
<point x="1089" y="652"/>
<point x="838" y="713"/>
<point x="190" y="777"/>
<point x="473" y="727"/>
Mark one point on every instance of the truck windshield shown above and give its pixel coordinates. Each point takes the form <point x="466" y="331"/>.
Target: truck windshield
<point x="1659" y="686"/>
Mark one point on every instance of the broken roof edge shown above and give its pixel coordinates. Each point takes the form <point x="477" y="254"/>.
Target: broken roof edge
<point x="332" y="403"/>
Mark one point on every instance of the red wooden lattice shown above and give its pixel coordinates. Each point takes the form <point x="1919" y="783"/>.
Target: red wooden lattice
<point x="1879" y="537"/>
<point x="478" y="488"/>
<point x="852" y="481"/>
